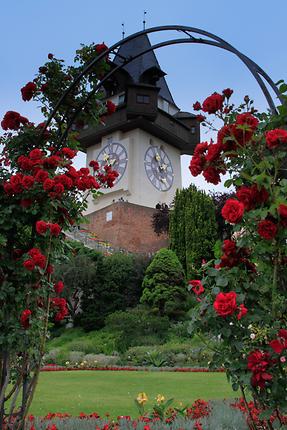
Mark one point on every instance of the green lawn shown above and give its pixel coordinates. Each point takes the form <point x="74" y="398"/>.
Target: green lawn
<point x="112" y="391"/>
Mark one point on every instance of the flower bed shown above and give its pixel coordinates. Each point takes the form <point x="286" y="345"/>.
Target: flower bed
<point x="57" y="368"/>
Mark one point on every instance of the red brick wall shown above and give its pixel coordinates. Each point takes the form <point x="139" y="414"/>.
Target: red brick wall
<point x="130" y="228"/>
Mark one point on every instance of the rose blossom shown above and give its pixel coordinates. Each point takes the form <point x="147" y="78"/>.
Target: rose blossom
<point x="25" y="318"/>
<point x="197" y="287"/>
<point x="267" y="229"/>
<point x="275" y="138"/>
<point x="213" y="103"/>
<point x="28" y="91"/>
<point x="233" y="211"/>
<point x="41" y="227"/>
<point x="225" y="304"/>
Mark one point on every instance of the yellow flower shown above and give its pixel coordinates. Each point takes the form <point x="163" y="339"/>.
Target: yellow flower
<point x="142" y="398"/>
<point x="160" y="398"/>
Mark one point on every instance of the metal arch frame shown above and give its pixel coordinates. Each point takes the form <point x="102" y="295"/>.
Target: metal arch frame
<point x="257" y="72"/>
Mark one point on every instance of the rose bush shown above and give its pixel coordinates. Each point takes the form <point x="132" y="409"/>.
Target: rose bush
<point x="245" y="296"/>
<point x="41" y="196"/>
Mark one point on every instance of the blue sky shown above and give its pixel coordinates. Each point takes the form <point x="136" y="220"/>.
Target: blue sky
<point x="31" y="29"/>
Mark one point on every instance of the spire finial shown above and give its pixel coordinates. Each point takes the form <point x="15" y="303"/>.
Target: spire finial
<point x="144" y="20"/>
<point x="123" y="30"/>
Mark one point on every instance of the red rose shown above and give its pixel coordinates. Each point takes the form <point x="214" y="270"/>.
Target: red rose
<point x="50" y="56"/>
<point x="28" y="91"/>
<point x="282" y="210"/>
<point x="200" y="118"/>
<point x="50" y="269"/>
<point x="225" y="304"/>
<point x="69" y="153"/>
<point x="48" y="184"/>
<point x="58" y="287"/>
<point x="226" y="138"/>
<point x="111" y="107"/>
<point x="12" y="121"/>
<point x="55" y="229"/>
<point x="213" y="153"/>
<point x="267" y="229"/>
<point x="196" y="106"/>
<point x="25" y="318"/>
<point x="94" y="164"/>
<point x="36" y="154"/>
<point x="28" y="182"/>
<point x="41" y="176"/>
<point x="247" y="119"/>
<point x="101" y="47"/>
<point x="213" y="103"/>
<point x="196" y="165"/>
<point x="52" y="162"/>
<point x="275" y="138"/>
<point x="242" y="311"/>
<point x="197" y="287"/>
<point x="229" y="247"/>
<point x="29" y="265"/>
<point x="278" y="345"/>
<point x="41" y="227"/>
<point x="233" y="211"/>
<point x="258" y="362"/>
<point x="26" y="203"/>
<point x="227" y="92"/>
<point x="246" y="196"/>
<point x="260" y="195"/>
<point x="212" y="175"/>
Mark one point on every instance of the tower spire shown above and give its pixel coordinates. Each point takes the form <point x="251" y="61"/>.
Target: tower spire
<point x="144" y="20"/>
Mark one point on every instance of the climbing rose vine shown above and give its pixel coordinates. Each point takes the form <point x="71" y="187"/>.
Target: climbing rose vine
<point x="42" y="194"/>
<point x="243" y="295"/>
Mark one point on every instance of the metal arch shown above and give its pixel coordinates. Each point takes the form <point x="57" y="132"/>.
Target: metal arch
<point x="257" y="72"/>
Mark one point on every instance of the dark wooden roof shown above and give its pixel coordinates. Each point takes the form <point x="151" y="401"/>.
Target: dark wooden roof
<point x="137" y="67"/>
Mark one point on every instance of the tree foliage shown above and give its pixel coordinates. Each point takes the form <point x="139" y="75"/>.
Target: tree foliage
<point x="164" y="285"/>
<point x="193" y="228"/>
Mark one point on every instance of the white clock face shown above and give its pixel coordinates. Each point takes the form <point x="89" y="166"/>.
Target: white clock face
<point x="116" y="156"/>
<point x="158" y="168"/>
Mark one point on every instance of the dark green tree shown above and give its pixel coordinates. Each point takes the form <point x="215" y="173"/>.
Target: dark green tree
<point x="164" y="288"/>
<point x="193" y="228"/>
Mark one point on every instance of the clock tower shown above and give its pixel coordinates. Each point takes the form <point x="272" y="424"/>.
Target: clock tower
<point x="143" y="140"/>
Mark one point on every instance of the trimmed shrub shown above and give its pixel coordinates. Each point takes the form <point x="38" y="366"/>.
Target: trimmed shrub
<point x="164" y="288"/>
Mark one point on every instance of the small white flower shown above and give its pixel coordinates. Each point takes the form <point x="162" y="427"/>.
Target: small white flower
<point x="252" y="336"/>
<point x="249" y="327"/>
<point x="231" y="323"/>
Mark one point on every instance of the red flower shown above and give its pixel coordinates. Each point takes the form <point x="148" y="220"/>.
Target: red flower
<point x="52" y="162"/>
<point x="50" y="56"/>
<point x="242" y="311"/>
<point x="267" y="229"/>
<point x="55" y="229"/>
<point x="213" y="103"/>
<point x="197" y="287"/>
<point x="26" y="203"/>
<point x="278" y="345"/>
<point x="25" y="318"/>
<point x="111" y="107"/>
<point x="50" y="269"/>
<point x="246" y="196"/>
<point x="29" y="265"/>
<point x="233" y="211"/>
<point x="247" y="119"/>
<point x="197" y="106"/>
<point x="227" y="92"/>
<point x="282" y="210"/>
<point x="200" y="118"/>
<point x="58" y="287"/>
<point x="212" y="175"/>
<point x="69" y="153"/>
<point x="258" y="362"/>
<point x="213" y="153"/>
<point x="41" y="227"/>
<point x="48" y="184"/>
<point x="101" y="47"/>
<point x="36" y="154"/>
<point x="28" y="182"/>
<point x="41" y="176"/>
<point x="225" y="304"/>
<point x="275" y="138"/>
<point x="12" y="121"/>
<point x="28" y="91"/>
<point x="94" y="164"/>
<point x="38" y="258"/>
<point x="229" y="247"/>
